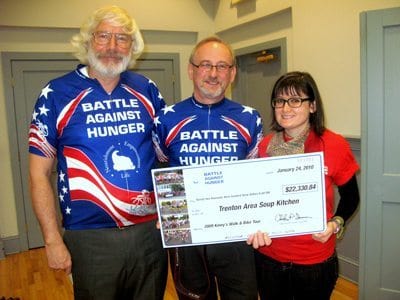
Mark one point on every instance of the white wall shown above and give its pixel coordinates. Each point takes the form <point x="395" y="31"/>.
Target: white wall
<point x="322" y="38"/>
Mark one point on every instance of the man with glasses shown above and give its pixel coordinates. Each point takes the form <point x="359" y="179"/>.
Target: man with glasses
<point x="96" y="122"/>
<point x="202" y="129"/>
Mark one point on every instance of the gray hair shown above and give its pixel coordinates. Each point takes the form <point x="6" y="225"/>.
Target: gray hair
<point x="116" y="16"/>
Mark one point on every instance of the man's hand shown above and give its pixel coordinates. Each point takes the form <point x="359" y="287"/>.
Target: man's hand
<point x="259" y="239"/>
<point x="58" y="257"/>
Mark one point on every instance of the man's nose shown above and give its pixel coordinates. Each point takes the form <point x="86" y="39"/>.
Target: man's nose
<point x="113" y="41"/>
<point x="213" y="71"/>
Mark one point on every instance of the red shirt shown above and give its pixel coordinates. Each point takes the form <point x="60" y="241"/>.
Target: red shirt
<point x="340" y="166"/>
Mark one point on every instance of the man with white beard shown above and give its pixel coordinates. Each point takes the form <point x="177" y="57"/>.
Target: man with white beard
<point x="110" y="243"/>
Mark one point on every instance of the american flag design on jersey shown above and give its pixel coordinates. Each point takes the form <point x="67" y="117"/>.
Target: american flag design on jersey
<point x="175" y="130"/>
<point x="190" y="133"/>
<point x="86" y="182"/>
<point x="103" y="147"/>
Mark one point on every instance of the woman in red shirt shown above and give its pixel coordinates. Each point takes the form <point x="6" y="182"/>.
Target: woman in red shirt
<point x="305" y="266"/>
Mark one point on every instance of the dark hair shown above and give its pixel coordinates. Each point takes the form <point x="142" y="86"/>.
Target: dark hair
<point x="300" y="82"/>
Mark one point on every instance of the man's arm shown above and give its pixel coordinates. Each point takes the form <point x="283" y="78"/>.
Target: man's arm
<point x="44" y="205"/>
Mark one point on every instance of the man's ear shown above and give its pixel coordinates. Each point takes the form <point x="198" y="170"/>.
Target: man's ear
<point x="233" y="74"/>
<point x="190" y="71"/>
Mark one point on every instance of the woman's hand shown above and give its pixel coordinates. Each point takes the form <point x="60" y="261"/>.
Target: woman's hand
<point x="259" y="239"/>
<point x="324" y="236"/>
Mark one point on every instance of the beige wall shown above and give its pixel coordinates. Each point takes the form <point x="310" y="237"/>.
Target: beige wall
<point x="322" y="38"/>
<point x="178" y="15"/>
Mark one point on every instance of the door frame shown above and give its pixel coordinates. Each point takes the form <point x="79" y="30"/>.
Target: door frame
<point x="278" y="43"/>
<point x="278" y="47"/>
<point x="20" y="242"/>
<point x="281" y="43"/>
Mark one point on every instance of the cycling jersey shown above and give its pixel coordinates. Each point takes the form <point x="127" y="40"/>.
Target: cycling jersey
<point x="191" y="133"/>
<point x="102" y="142"/>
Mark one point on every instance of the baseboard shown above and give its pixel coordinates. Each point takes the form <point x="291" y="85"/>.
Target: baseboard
<point x="348" y="268"/>
<point x="355" y="143"/>
<point x="11" y="245"/>
<point x="2" y="253"/>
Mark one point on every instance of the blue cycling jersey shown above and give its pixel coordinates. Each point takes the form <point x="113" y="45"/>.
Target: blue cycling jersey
<point x="191" y="133"/>
<point x="103" y="147"/>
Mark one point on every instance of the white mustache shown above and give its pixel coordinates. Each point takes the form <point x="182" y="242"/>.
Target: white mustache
<point x="110" y="54"/>
<point x="212" y="80"/>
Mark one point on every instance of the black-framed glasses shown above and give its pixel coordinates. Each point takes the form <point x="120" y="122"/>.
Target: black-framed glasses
<point x="123" y="40"/>
<point x="207" y="66"/>
<point x="292" y="102"/>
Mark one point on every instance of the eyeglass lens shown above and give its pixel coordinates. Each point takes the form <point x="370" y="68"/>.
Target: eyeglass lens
<point x="121" y="39"/>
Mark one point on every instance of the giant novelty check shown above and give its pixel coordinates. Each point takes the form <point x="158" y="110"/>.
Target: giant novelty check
<point x="226" y="202"/>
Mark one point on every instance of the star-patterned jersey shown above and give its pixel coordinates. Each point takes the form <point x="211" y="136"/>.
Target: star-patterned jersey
<point x="191" y="133"/>
<point x="103" y="146"/>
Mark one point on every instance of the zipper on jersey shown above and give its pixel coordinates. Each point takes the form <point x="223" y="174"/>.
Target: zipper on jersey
<point x="209" y="126"/>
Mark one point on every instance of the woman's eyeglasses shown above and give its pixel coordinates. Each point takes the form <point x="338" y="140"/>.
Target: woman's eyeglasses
<point x="292" y="102"/>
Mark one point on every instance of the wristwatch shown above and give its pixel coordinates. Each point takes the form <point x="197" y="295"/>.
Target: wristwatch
<point x="339" y="231"/>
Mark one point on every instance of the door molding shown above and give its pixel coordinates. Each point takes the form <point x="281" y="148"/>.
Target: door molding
<point x="278" y="43"/>
<point x="254" y="73"/>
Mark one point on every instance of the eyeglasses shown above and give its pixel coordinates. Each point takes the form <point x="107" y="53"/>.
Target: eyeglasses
<point x="123" y="40"/>
<point x="207" y="67"/>
<point x="292" y="102"/>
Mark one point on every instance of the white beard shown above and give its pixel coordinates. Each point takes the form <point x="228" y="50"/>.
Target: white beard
<point x="212" y="94"/>
<point x="110" y="70"/>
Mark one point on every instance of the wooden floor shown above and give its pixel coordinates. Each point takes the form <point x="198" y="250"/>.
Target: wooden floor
<point x="27" y="277"/>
